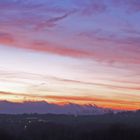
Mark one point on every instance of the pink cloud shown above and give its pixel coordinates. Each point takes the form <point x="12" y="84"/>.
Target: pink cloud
<point x="104" y="45"/>
<point x="127" y="50"/>
<point x="6" y="38"/>
<point x="57" y="49"/>
<point x="22" y="31"/>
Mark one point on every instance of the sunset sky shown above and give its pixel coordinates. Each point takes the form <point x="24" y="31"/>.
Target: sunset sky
<point x="71" y="51"/>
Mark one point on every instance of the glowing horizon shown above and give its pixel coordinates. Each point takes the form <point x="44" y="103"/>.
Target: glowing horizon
<point x="83" y="52"/>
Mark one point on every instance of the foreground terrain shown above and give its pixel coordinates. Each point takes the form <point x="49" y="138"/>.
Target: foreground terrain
<point x="120" y="126"/>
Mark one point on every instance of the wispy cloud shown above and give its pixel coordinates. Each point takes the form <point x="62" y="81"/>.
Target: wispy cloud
<point x="24" y="28"/>
<point x="84" y="46"/>
<point x="104" y="102"/>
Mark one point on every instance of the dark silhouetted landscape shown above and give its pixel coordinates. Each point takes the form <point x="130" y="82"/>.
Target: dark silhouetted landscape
<point x="110" y="126"/>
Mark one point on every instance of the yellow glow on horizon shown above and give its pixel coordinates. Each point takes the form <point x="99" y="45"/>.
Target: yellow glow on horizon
<point x="82" y="100"/>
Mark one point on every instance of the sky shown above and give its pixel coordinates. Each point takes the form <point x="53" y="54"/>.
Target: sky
<point x="71" y="51"/>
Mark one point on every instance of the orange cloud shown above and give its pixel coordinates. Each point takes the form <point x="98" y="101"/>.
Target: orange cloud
<point x="122" y="104"/>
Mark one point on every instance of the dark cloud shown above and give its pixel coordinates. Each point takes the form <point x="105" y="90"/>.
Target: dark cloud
<point x="44" y="107"/>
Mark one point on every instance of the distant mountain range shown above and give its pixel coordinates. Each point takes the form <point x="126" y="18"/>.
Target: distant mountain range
<point x="44" y="108"/>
